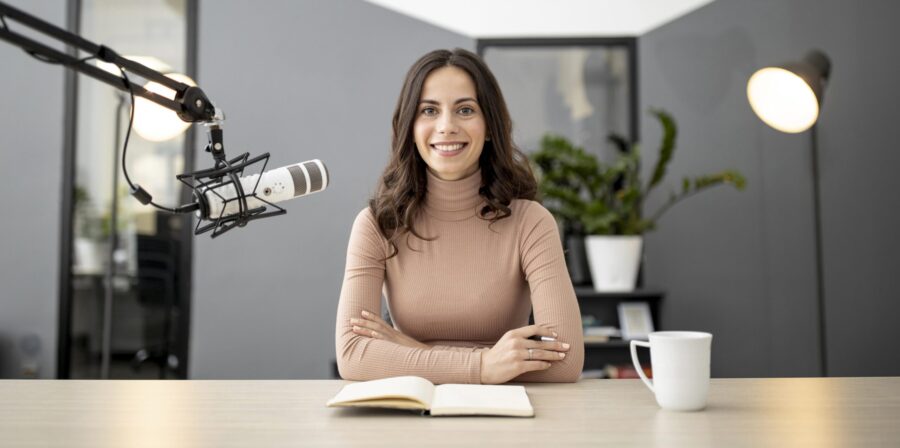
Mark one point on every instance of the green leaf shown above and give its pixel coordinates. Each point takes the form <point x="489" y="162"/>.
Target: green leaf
<point x="667" y="146"/>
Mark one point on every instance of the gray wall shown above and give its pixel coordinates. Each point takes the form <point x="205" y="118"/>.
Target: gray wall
<point x="301" y="80"/>
<point x="742" y="264"/>
<point x="31" y="143"/>
<point x="738" y="264"/>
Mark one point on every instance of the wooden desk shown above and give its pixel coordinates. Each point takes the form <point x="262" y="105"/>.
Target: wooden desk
<point x="840" y="412"/>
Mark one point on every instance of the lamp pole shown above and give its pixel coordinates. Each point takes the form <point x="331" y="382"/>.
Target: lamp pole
<point x="820" y="275"/>
<point x="793" y="113"/>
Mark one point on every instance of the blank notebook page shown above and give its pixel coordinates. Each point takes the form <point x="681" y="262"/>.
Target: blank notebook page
<point x="413" y="387"/>
<point x="449" y="397"/>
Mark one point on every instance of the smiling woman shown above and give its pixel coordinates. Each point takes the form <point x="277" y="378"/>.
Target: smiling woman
<point x="455" y="240"/>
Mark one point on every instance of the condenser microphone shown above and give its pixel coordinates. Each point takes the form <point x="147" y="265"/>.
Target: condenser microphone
<point x="270" y="187"/>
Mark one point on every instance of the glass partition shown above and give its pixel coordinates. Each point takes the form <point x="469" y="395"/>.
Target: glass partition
<point x="580" y="89"/>
<point x="125" y="301"/>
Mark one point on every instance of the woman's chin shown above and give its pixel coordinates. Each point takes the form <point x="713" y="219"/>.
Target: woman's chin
<point x="444" y="172"/>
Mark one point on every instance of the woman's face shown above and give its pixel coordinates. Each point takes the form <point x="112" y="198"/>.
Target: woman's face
<point x="449" y="128"/>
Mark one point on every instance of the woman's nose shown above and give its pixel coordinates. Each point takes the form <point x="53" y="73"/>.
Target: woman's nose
<point x="446" y="125"/>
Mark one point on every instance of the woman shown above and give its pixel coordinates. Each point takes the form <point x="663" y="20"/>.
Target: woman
<point x="458" y="245"/>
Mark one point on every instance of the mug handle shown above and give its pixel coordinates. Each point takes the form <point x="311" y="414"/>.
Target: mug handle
<point x="637" y="365"/>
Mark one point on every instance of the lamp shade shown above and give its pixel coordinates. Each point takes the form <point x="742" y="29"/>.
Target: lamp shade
<point x="788" y="97"/>
<point x="154" y="122"/>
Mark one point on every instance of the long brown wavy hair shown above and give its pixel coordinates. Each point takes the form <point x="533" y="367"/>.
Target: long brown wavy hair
<point x="505" y="171"/>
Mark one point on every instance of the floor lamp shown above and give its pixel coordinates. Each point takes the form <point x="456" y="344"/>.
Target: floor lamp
<point x="788" y="98"/>
<point x="154" y="123"/>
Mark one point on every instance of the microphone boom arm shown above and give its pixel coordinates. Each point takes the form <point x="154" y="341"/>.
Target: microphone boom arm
<point x="190" y="104"/>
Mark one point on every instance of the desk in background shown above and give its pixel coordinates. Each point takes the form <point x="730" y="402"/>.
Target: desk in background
<point x="820" y="412"/>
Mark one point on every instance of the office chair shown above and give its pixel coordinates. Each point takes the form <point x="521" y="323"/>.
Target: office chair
<point x="157" y="261"/>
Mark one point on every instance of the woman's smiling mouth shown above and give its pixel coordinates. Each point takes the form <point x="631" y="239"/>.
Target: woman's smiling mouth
<point x="448" y="149"/>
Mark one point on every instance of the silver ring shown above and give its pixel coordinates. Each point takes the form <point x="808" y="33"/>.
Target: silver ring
<point x="530" y="354"/>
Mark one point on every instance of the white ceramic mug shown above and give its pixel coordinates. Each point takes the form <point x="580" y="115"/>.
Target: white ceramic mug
<point x="680" y="363"/>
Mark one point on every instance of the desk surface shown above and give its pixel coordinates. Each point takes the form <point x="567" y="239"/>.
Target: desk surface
<point x="818" y="412"/>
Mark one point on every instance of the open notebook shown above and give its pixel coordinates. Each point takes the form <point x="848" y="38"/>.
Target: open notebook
<point x="416" y="393"/>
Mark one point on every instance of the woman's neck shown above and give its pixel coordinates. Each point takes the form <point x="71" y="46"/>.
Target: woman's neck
<point x="453" y="200"/>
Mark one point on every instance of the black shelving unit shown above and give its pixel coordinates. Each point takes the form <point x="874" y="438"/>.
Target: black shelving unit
<point x="604" y="307"/>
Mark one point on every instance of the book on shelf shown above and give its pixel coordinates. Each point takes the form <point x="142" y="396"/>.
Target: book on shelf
<point x="590" y="338"/>
<point x="589" y="374"/>
<point x="418" y="394"/>
<point x="601" y="333"/>
<point x="626" y="371"/>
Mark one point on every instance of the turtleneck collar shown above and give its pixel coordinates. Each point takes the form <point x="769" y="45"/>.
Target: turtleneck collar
<point x="453" y="200"/>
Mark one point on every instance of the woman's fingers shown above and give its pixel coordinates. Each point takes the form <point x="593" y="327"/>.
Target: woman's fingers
<point x="373" y="317"/>
<point x="533" y="330"/>
<point x="369" y="321"/>
<point x="536" y="365"/>
<point x="367" y="332"/>
<point x="547" y="345"/>
<point x="543" y="355"/>
<point x="363" y="323"/>
<point x="364" y="331"/>
<point x="366" y="326"/>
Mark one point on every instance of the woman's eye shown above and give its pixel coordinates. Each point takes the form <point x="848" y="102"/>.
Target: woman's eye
<point x="467" y="110"/>
<point x="429" y="111"/>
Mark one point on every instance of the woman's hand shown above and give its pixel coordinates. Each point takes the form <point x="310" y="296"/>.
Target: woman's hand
<point x="515" y="354"/>
<point x="372" y="326"/>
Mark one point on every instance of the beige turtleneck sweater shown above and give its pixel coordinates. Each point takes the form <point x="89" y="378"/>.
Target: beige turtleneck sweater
<point x="458" y="293"/>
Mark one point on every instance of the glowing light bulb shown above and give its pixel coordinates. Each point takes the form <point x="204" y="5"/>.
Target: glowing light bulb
<point x="154" y="122"/>
<point x="782" y="99"/>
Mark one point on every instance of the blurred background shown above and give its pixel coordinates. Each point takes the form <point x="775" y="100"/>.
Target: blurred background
<point x="788" y="289"/>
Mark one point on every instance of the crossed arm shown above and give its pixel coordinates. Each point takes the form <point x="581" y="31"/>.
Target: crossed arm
<point x="368" y="348"/>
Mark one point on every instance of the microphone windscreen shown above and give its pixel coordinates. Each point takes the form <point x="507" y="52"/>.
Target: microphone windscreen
<point x="308" y="177"/>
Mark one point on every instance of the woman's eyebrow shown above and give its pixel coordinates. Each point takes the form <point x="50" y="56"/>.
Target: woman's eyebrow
<point x="461" y="100"/>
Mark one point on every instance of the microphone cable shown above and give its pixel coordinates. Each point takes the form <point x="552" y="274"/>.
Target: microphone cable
<point x="134" y="188"/>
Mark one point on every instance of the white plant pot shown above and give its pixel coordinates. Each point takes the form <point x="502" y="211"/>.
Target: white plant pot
<point x="614" y="261"/>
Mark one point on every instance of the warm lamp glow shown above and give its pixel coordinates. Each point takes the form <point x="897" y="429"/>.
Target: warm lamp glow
<point x="154" y="122"/>
<point x="782" y="99"/>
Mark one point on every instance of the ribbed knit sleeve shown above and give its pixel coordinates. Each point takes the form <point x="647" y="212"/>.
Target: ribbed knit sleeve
<point x="552" y="295"/>
<point x="362" y="358"/>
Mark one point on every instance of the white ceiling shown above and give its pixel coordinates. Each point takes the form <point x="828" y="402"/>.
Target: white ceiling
<point x="484" y="19"/>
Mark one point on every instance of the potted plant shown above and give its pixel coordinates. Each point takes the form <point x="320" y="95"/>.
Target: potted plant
<point x="605" y="202"/>
<point x="89" y="247"/>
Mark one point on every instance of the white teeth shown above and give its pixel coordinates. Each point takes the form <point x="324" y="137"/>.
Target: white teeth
<point x="449" y="148"/>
